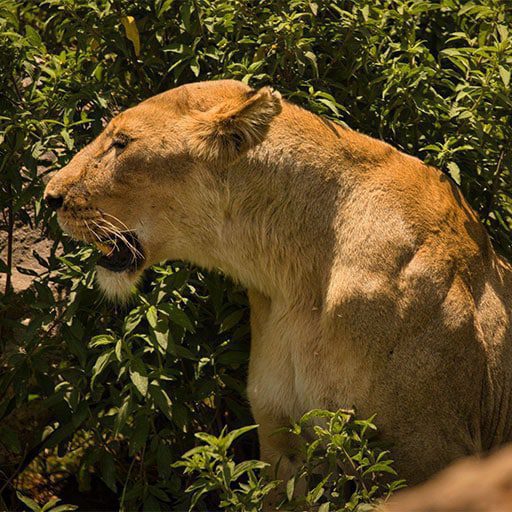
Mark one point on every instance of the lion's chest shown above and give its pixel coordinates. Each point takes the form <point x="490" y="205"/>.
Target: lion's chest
<point x="292" y="369"/>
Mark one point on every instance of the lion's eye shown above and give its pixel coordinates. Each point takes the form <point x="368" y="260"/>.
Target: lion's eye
<point x="120" y="141"/>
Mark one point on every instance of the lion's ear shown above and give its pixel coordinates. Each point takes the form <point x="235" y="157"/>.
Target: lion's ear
<point x="224" y="132"/>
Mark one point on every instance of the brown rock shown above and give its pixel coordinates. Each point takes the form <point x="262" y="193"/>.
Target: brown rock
<point x="470" y="485"/>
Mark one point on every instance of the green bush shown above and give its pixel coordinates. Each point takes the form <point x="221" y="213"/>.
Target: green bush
<point x="342" y="468"/>
<point x="432" y="78"/>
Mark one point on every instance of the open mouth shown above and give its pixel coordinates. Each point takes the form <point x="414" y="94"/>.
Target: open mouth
<point x="124" y="253"/>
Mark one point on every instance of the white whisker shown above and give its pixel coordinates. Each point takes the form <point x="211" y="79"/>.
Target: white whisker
<point x="123" y="225"/>
<point x="91" y="230"/>
<point x="110" y="229"/>
<point x="108" y="233"/>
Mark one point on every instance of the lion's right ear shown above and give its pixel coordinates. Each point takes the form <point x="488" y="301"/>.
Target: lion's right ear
<point x="226" y="131"/>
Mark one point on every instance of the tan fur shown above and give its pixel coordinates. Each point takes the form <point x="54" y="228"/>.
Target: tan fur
<point x="371" y="282"/>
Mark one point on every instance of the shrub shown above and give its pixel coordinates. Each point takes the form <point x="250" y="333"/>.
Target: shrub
<point x="342" y="469"/>
<point x="431" y="77"/>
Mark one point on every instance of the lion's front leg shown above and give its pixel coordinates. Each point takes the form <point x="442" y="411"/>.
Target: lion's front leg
<point x="281" y="450"/>
<point x="272" y="395"/>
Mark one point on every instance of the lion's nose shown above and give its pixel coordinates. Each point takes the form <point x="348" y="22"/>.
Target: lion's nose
<point x="53" y="201"/>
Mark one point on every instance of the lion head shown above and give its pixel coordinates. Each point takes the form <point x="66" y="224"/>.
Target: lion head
<point x="141" y="191"/>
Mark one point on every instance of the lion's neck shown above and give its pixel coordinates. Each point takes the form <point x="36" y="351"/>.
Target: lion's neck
<point x="271" y="226"/>
<point x="275" y="223"/>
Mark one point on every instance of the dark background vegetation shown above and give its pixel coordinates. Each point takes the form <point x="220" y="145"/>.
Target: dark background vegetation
<point x="100" y="399"/>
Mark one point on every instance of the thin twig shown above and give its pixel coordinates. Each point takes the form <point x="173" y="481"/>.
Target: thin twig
<point x="125" y="486"/>
<point x="14" y="475"/>
<point x="494" y="185"/>
<point x="10" y="232"/>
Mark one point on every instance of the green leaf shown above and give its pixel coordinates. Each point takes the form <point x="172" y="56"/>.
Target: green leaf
<point x="178" y="316"/>
<point x="164" y="459"/>
<point x="161" y="399"/>
<point x="290" y="488"/>
<point x="246" y="466"/>
<point x="152" y="316"/>
<point x="132" y="32"/>
<point x="101" y="340"/>
<point x="231" y="320"/>
<point x="381" y="467"/>
<point x="162" y="339"/>
<point x="50" y="504"/>
<point x="132" y="320"/>
<point x="139" y="375"/>
<point x="108" y="470"/>
<point x="234" y="434"/>
<point x="505" y="75"/>
<point x="118" y="350"/>
<point x="9" y="438"/>
<point x="33" y="37"/>
<point x="140" y="434"/>
<point x="64" y="508"/>
<point x="30" y="503"/>
<point x="101" y="364"/>
<point x="122" y="416"/>
<point x="312" y="59"/>
<point x="194" y="66"/>
<point x="454" y="170"/>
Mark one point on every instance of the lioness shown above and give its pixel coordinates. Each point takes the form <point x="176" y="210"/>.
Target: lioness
<point x="371" y="282"/>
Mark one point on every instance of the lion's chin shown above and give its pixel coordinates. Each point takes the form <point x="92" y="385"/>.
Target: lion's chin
<point x="117" y="286"/>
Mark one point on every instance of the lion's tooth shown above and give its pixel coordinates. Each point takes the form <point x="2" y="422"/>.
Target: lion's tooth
<point x="104" y="248"/>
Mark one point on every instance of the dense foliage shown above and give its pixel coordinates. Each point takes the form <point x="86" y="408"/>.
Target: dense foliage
<point x="342" y="468"/>
<point x="136" y="382"/>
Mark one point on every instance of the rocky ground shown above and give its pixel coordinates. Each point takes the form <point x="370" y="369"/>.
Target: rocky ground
<point x="26" y="241"/>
